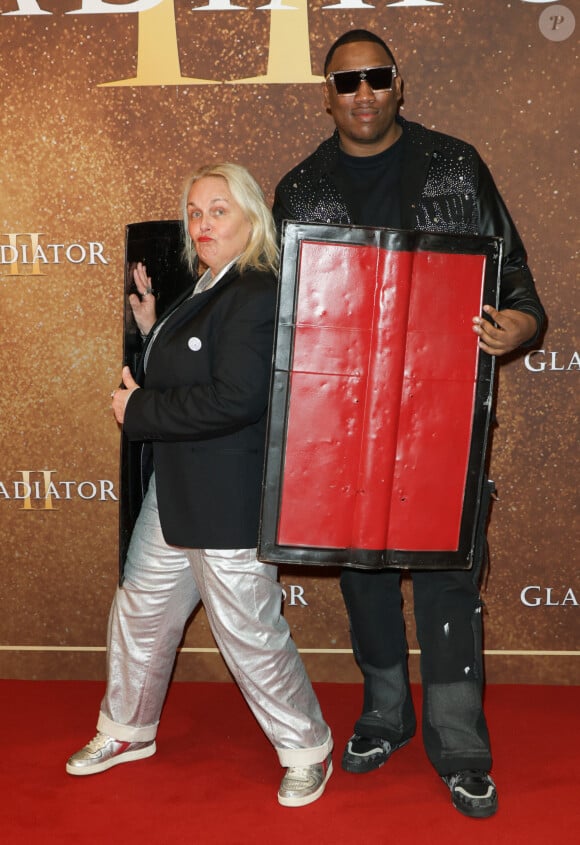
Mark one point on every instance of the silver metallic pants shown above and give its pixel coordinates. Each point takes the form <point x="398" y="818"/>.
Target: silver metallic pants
<point x="242" y="598"/>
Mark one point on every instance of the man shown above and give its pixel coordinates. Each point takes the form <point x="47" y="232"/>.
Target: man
<point x="380" y="170"/>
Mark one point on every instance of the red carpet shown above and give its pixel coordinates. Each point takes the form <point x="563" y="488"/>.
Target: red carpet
<point x="214" y="778"/>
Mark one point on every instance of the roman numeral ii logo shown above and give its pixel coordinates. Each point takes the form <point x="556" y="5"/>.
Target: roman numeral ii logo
<point x="158" y="51"/>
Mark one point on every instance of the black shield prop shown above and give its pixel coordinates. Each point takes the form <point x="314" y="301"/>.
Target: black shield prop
<point x="158" y="245"/>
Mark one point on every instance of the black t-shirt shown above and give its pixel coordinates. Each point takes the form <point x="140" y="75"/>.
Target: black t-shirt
<point x="370" y="186"/>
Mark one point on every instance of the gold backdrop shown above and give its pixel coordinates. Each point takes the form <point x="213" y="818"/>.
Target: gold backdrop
<point x="106" y="107"/>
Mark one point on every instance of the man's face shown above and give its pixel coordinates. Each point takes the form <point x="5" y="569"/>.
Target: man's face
<point x="366" y="119"/>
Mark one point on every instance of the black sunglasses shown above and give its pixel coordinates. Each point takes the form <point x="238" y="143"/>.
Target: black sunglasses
<point x="348" y="81"/>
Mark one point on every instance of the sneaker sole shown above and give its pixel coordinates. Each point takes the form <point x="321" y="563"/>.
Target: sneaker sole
<point x="472" y="811"/>
<point x="358" y="765"/>
<point x="475" y="812"/>
<point x="307" y="799"/>
<point x="126" y="757"/>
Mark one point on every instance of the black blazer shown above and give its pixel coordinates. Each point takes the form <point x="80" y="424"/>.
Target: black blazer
<point x="202" y="406"/>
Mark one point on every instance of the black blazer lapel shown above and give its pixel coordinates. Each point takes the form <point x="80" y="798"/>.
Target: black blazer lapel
<point x="416" y="162"/>
<point x="196" y="303"/>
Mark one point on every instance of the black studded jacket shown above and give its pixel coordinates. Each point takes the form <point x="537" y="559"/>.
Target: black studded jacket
<point x="445" y="187"/>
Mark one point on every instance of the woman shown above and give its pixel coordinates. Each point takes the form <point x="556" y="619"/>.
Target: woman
<point x="201" y="402"/>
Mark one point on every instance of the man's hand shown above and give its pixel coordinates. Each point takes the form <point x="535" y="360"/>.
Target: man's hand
<point x="509" y="330"/>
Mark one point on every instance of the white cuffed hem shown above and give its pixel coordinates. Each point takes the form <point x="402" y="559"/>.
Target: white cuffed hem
<point x="305" y="756"/>
<point x="126" y="733"/>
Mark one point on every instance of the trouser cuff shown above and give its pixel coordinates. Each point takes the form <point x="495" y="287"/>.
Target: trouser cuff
<point x="305" y="756"/>
<point x="126" y="733"/>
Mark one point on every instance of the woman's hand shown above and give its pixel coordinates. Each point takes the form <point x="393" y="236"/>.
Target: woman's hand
<point x="143" y="304"/>
<point x="120" y="397"/>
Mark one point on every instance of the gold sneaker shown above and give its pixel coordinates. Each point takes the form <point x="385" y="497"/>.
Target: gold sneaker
<point x="103" y="752"/>
<point x="302" y="785"/>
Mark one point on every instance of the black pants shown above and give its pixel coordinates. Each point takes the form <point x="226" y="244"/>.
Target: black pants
<point x="448" y="612"/>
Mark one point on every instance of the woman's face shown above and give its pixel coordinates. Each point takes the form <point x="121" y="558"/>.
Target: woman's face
<point x="217" y="225"/>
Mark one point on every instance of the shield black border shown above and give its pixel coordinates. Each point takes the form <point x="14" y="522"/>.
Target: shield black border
<point x="476" y="497"/>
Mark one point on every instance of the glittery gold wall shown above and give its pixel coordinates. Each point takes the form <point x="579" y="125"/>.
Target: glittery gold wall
<point x="80" y="158"/>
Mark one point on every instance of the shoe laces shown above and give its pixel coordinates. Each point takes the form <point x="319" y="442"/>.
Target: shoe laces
<point x="98" y="742"/>
<point x="301" y="774"/>
<point x="473" y="779"/>
<point x="367" y="744"/>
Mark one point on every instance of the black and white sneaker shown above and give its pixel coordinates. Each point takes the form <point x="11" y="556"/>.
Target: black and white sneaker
<point x="473" y="793"/>
<point x="364" y="754"/>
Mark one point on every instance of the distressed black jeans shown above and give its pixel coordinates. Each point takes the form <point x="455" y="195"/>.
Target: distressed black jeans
<point x="448" y="612"/>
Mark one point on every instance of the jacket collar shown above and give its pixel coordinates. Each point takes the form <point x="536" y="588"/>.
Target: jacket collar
<point x="418" y="151"/>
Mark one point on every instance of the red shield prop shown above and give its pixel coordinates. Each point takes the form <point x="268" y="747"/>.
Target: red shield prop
<point x="381" y="399"/>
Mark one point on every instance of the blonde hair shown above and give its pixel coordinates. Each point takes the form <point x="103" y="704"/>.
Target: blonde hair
<point x="261" y="252"/>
